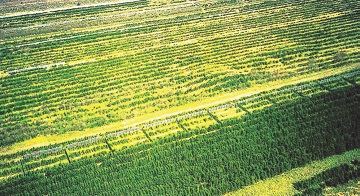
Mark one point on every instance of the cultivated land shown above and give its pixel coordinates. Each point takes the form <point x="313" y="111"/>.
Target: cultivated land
<point x="179" y="98"/>
<point x="9" y="8"/>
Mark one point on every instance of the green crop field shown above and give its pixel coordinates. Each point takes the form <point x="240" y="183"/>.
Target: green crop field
<point x="179" y="97"/>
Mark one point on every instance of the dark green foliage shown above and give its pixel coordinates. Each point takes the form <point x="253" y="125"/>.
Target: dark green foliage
<point x="312" y="190"/>
<point x="240" y="152"/>
<point x="331" y="177"/>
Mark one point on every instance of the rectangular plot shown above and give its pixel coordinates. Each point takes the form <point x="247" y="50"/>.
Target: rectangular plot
<point x="87" y="153"/>
<point x="164" y="131"/>
<point x="197" y="122"/>
<point x="128" y="140"/>
<point x="250" y="106"/>
<point x="226" y="113"/>
<point x="39" y="163"/>
<point x="152" y="131"/>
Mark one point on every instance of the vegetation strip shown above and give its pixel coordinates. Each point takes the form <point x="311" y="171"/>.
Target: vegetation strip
<point x="190" y="115"/>
<point x="282" y="184"/>
<point x="223" y="106"/>
<point x="249" y="145"/>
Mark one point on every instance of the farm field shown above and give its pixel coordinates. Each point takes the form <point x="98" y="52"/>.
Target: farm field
<point x="12" y="8"/>
<point x="179" y="98"/>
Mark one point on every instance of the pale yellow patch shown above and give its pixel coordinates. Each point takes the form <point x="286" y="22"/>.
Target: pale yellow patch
<point x="3" y="74"/>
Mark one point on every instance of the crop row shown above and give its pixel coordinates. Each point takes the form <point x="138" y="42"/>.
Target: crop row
<point x="270" y="20"/>
<point x="106" y="76"/>
<point x="165" y="128"/>
<point x="258" y="146"/>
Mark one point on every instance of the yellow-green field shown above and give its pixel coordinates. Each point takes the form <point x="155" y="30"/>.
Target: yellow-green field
<point x="181" y="97"/>
<point x="42" y="140"/>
